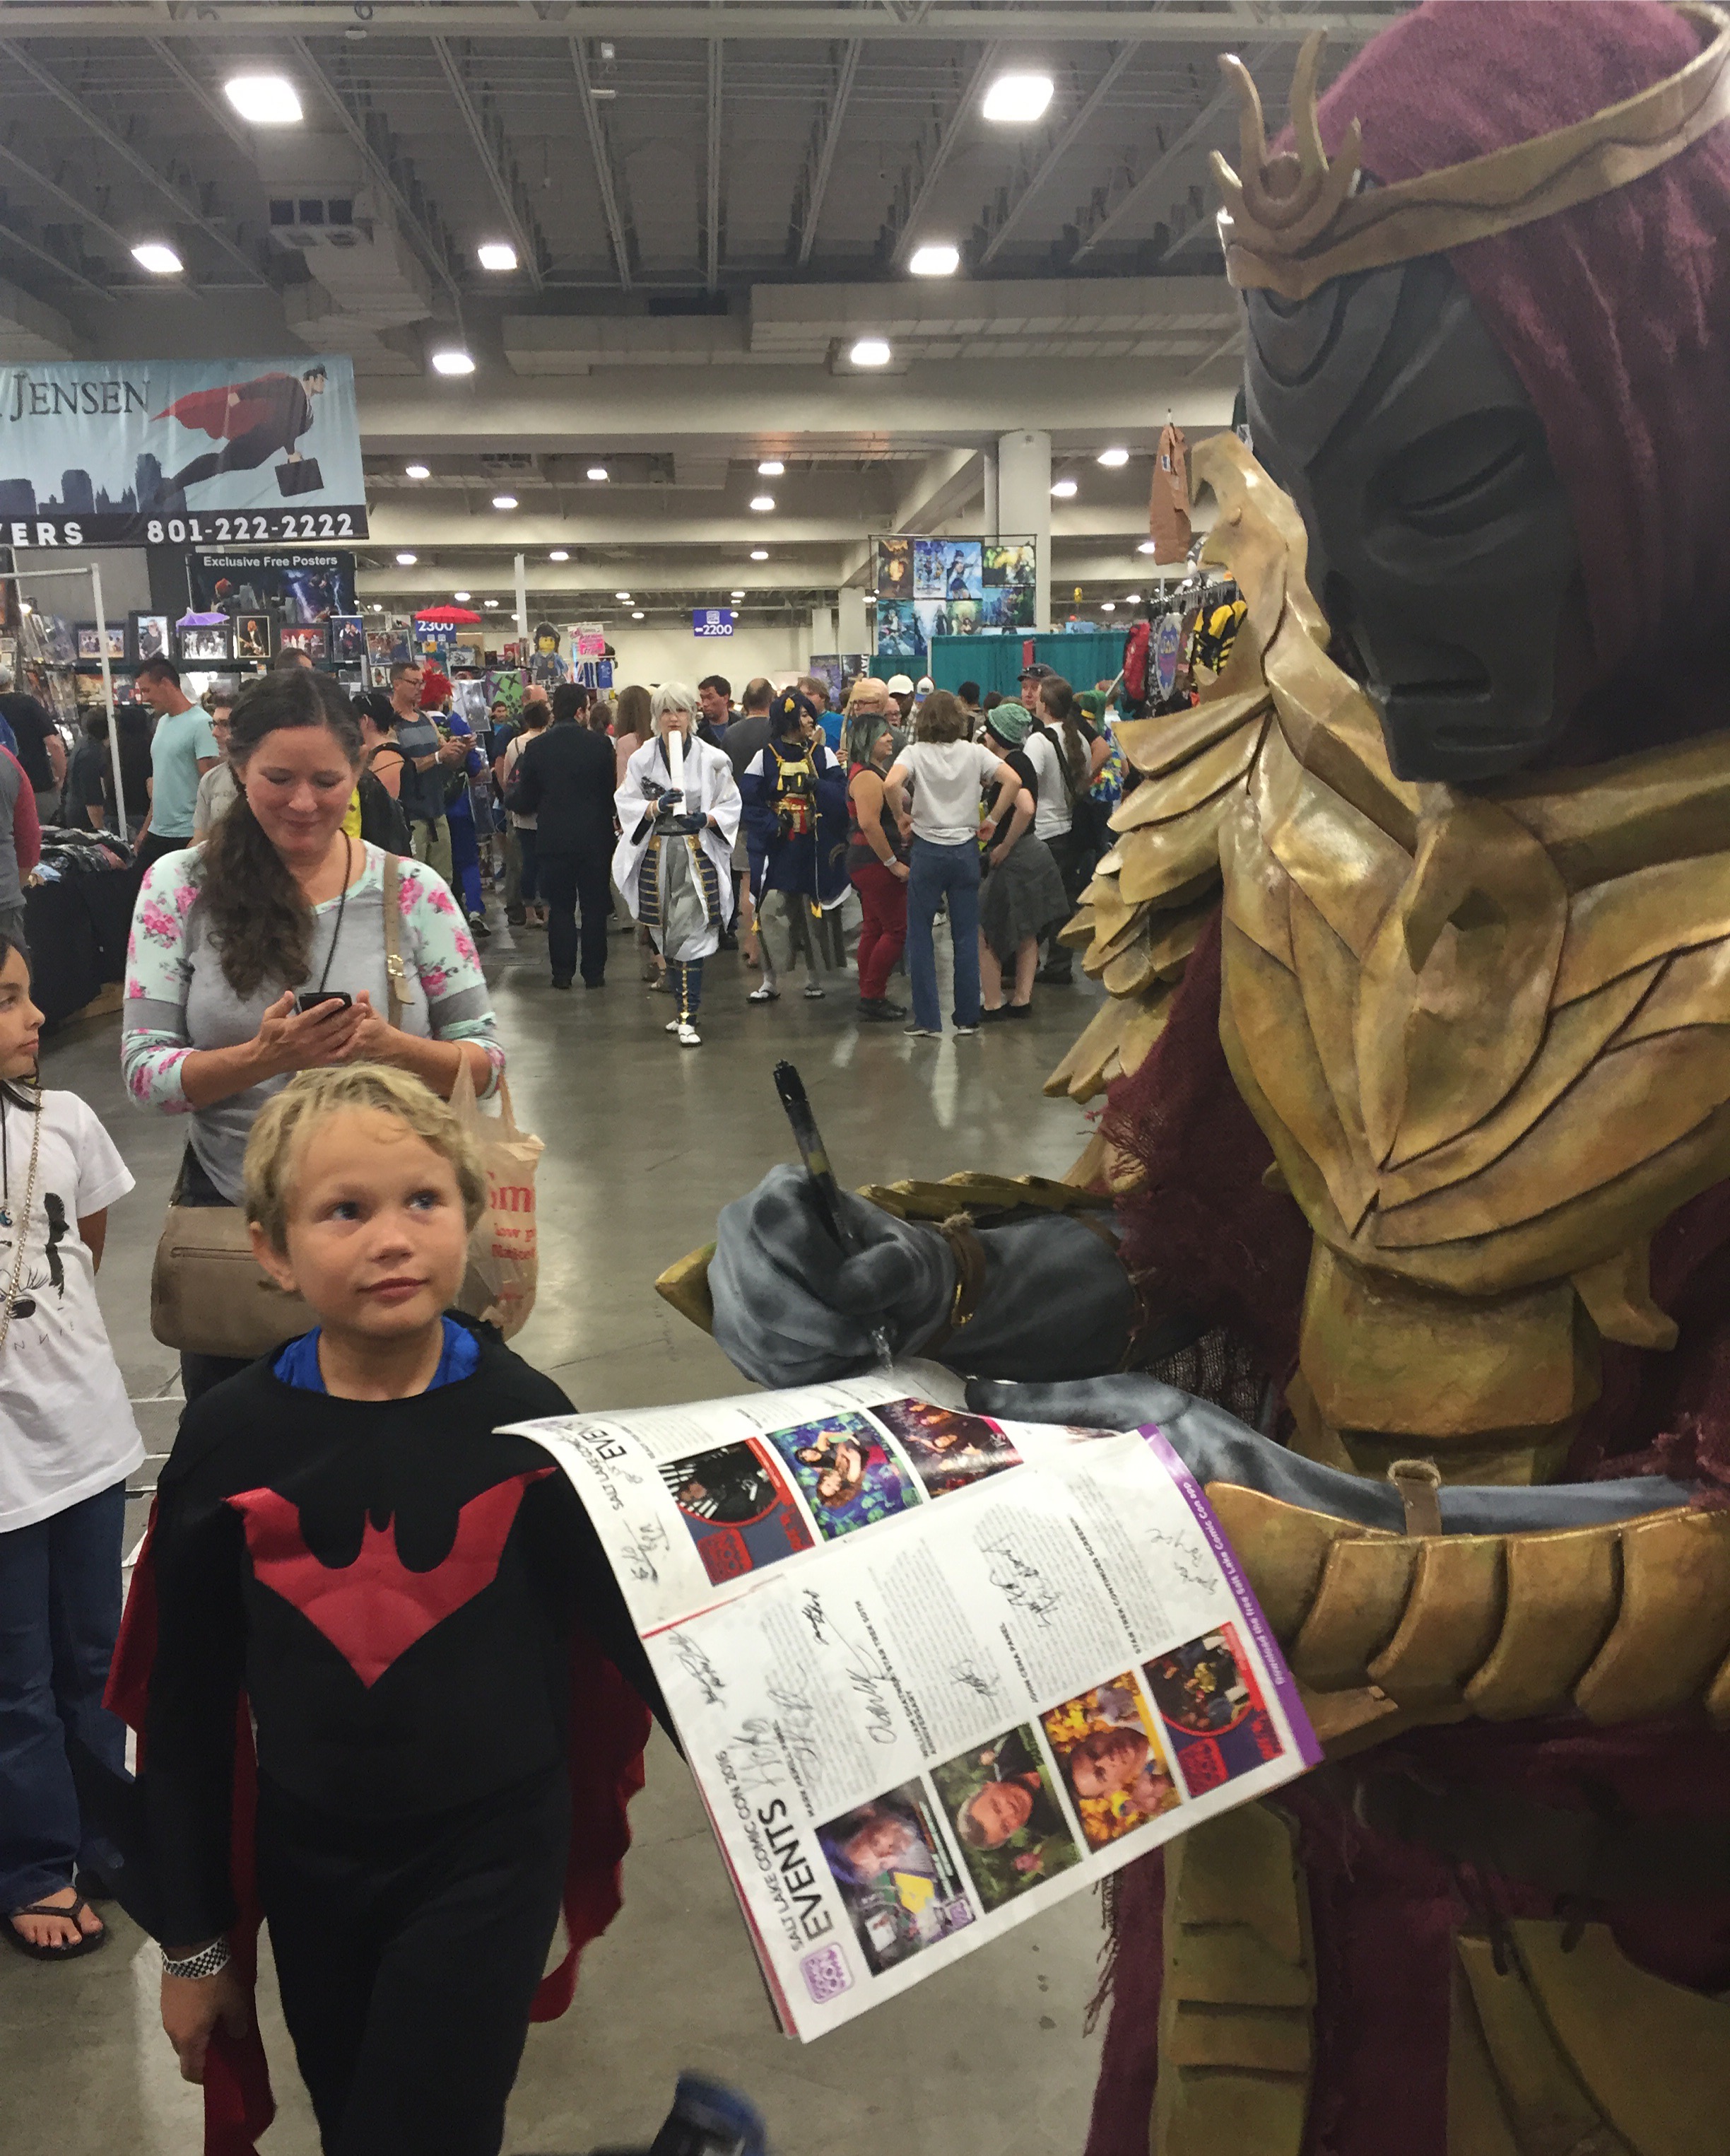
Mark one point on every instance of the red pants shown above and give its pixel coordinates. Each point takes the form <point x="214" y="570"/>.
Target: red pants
<point x="883" y="930"/>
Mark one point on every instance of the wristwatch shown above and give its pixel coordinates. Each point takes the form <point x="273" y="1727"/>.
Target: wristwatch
<point x="208" y="1961"/>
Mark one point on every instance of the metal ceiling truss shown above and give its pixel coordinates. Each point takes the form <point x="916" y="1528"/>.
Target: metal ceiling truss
<point x="1070" y="21"/>
<point x="826" y="140"/>
<point x="609" y="178"/>
<point x="39" y="248"/>
<point x="391" y="171"/>
<point x="187" y="210"/>
<point x="712" y="203"/>
<point x="921" y="189"/>
<point x="1001" y="226"/>
<point x="487" y="131"/>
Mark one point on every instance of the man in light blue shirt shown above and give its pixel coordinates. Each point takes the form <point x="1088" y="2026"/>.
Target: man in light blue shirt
<point x="182" y="749"/>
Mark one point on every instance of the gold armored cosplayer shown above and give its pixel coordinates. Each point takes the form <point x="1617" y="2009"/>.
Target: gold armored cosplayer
<point x="1434" y="882"/>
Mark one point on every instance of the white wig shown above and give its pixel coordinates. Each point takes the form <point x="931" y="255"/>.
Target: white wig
<point x="671" y="696"/>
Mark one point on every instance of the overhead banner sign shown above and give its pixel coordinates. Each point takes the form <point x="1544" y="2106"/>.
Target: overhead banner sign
<point x="712" y="621"/>
<point x="210" y="452"/>
<point x="295" y="585"/>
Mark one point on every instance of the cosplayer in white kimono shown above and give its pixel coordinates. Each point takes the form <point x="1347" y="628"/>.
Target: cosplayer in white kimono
<point x="678" y="814"/>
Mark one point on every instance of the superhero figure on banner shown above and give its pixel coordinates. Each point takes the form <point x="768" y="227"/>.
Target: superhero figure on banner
<point x="252" y="420"/>
<point x="1418" y="1133"/>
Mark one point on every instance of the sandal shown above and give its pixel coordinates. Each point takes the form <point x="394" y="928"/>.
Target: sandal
<point x="764" y="995"/>
<point x="86" y="1942"/>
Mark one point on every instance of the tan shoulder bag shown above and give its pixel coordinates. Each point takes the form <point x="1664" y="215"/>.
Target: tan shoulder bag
<point x="209" y="1295"/>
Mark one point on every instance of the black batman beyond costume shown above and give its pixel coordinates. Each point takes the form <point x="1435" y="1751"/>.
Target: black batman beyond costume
<point x="399" y="1593"/>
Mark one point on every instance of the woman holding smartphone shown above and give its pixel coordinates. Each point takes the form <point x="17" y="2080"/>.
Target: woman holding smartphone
<point x="264" y="950"/>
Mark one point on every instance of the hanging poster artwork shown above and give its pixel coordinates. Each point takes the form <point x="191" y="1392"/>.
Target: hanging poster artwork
<point x="149" y="637"/>
<point x="204" y="643"/>
<point x="177" y="452"/>
<point x="895" y="568"/>
<point x="251" y="636"/>
<point x="293" y="585"/>
<point x="304" y="636"/>
<point x="928" y="587"/>
<point x="1006" y="580"/>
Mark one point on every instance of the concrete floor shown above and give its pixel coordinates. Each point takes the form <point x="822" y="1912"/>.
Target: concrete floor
<point x="644" y="1143"/>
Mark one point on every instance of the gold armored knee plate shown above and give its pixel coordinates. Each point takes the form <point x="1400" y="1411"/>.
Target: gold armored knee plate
<point x="1236" y="2015"/>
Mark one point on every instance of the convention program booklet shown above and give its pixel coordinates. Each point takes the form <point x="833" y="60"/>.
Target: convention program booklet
<point x="932" y="1671"/>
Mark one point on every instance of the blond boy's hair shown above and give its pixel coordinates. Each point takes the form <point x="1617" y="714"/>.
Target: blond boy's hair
<point x="288" y="1119"/>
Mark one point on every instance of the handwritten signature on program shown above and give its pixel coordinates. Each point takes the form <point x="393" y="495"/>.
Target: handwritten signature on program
<point x="1020" y="1581"/>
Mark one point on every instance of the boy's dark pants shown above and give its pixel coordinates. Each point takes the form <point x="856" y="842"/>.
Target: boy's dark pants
<point x="408" y="1954"/>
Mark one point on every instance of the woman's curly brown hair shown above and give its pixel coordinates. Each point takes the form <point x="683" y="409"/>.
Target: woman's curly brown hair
<point x="258" y="920"/>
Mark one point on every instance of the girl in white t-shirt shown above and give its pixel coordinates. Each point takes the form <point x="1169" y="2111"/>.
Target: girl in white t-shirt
<point x="67" y="1442"/>
<point x="947" y="771"/>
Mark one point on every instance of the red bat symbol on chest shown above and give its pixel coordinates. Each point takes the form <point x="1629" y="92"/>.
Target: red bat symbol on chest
<point x="375" y="1609"/>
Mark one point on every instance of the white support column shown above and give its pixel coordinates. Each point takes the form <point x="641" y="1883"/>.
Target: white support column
<point x="822" y="629"/>
<point x="990" y="527"/>
<point x="1024" y="508"/>
<point x="850" y="631"/>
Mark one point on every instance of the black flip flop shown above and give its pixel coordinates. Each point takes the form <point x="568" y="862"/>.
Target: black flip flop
<point x="86" y="1942"/>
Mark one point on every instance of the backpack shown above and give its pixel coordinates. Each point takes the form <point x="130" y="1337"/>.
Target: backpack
<point x="796" y="792"/>
<point x="382" y="822"/>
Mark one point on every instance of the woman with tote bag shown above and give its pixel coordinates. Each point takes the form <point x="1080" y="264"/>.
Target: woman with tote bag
<point x="281" y="944"/>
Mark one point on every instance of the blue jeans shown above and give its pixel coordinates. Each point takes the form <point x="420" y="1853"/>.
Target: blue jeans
<point x="932" y="870"/>
<point x="465" y="864"/>
<point x="59" y="1611"/>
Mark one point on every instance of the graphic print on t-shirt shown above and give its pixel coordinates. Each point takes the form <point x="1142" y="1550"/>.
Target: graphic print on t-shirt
<point x="55" y="1277"/>
<point x="374" y="1610"/>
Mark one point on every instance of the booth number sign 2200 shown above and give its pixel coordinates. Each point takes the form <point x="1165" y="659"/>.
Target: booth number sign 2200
<point x="220" y="530"/>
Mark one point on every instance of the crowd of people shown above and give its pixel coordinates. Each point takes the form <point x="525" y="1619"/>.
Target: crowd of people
<point x="304" y="990"/>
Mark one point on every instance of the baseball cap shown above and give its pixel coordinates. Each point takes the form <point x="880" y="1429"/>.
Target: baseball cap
<point x="924" y="685"/>
<point x="1036" y="670"/>
<point x="900" y="685"/>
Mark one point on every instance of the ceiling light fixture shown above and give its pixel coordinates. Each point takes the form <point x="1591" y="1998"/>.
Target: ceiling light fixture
<point x="505" y="502"/>
<point x="1108" y="606"/>
<point x="597" y="471"/>
<point x="938" y="259"/>
<point x="377" y="606"/>
<point x="496" y="254"/>
<point x="637" y="613"/>
<point x="1114" y="459"/>
<point x="772" y="468"/>
<point x="735" y="595"/>
<point x="461" y="598"/>
<point x="760" y="553"/>
<point x="156" y="256"/>
<point x="265" y="101"/>
<point x="1015" y="100"/>
<point x="1132" y="598"/>
<point x="418" y="471"/>
<point x="622" y="595"/>
<point x="871" y="351"/>
<point x="1148" y="547"/>
<point x="762" y="502"/>
<point x="452" y="361"/>
<point x="406" y="561"/>
<point x="494" y="604"/>
<point x="1063" y="489"/>
<point x="558" y="554"/>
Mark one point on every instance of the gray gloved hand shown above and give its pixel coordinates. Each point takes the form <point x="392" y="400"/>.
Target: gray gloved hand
<point x="1216" y="1447"/>
<point x="790" y="1309"/>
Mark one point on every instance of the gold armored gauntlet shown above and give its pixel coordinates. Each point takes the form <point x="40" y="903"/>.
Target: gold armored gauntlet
<point x="1620" y="1621"/>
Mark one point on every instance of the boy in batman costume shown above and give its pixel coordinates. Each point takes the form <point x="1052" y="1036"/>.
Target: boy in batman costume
<point x="1417" y="1135"/>
<point x="385" y="1688"/>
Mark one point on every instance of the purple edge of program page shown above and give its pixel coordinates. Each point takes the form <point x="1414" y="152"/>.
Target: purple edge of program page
<point x="1278" y="1676"/>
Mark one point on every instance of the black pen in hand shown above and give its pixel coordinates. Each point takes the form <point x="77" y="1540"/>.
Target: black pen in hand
<point x="792" y="1089"/>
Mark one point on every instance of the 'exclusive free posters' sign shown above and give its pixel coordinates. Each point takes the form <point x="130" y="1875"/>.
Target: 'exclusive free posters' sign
<point x="212" y="453"/>
<point x="712" y="621"/>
